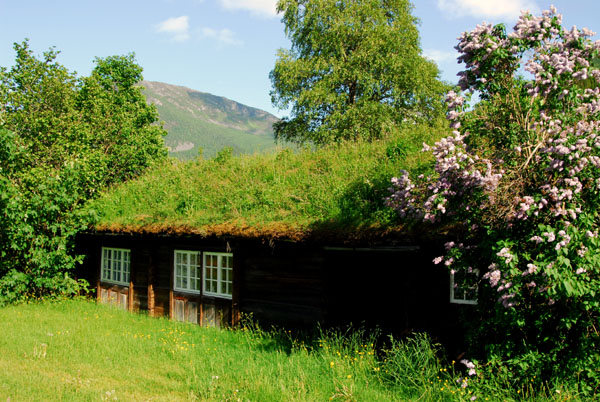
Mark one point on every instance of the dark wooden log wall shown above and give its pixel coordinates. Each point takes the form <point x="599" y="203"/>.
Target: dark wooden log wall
<point x="151" y="286"/>
<point x="282" y="284"/>
<point x="398" y="290"/>
<point x="291" y="284"/>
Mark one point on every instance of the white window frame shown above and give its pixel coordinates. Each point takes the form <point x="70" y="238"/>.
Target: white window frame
<point x="220" y="280"/>
<point x="463" y="300"/>
<point x="189" y="277"/>
<point x="109" y="265"/>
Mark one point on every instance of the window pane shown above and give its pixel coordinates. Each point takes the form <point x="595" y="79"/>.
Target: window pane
<point x="116" y="265"/>
<point x="105" y="267"/>
<point x="184" y="271"/>
<point x="126" y="267"/>
<point x="115" y="268"/>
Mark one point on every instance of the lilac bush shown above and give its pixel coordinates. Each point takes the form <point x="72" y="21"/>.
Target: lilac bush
<point x="519" y="178"/>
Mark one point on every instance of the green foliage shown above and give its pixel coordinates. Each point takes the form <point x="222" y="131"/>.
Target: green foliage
<point x="519" y="181"/>
<point x="355" y="70"/>
<point x="337" y="186"/>
<point x="62" y="139"/>
<point x="224" y="155"/>
<point x="124" y="138"/>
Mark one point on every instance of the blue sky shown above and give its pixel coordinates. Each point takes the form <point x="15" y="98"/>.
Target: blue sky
<point x="227" y="47"/>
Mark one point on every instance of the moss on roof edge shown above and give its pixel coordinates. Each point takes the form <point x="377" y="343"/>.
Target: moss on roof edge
<point x="324" y="232"/>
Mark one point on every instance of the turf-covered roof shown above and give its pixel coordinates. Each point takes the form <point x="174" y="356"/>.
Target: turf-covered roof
<point x="332" y="193"/>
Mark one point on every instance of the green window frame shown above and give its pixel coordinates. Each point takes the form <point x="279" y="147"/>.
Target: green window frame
<point x="115" y="265"/>
<point x="187" y="267"/>
<point x="218" y="274"/>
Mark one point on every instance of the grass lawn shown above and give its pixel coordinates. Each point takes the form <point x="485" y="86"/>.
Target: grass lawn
<point x="79" y="351"/>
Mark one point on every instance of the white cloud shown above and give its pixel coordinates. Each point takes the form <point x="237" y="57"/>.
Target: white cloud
<point x="439" y="56"/>
<point x="222" y="37"/>
<point x="264" y="8"/>
<point x="177" y="27"/>
<point x="505" y="9"/>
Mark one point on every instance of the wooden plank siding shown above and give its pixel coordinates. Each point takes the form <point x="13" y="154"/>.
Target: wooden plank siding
<point x="283" y="285"/>
<point x="396" y="290"/>
<point x="151" y="286"/>
<point x="296" y="285"/>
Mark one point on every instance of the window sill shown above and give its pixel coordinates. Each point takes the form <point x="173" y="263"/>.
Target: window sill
<point x="123" y="284"/>
<point x="468" y="302"/>
<point x="187" y="291"/>
<point x="217" y="296"/>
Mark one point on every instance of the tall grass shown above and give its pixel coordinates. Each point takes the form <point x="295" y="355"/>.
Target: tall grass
<point x="336" y="186"/>
<point x="80" y="351"/>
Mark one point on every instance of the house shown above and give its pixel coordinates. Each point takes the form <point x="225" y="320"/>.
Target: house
<point x="213" y="281"/>
<point x="155" y="249"/>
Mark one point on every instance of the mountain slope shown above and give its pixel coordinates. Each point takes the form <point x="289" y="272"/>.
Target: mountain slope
<point x="196" y="119"/>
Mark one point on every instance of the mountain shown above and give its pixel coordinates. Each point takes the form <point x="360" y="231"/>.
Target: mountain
<point x="197" y="119"/>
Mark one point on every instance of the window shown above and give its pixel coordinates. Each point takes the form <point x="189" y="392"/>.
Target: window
<point x="187" y="271"/>
<point x="218" y="274"/>
<point x="463" y="285"/>
<point x="115" y="265"/>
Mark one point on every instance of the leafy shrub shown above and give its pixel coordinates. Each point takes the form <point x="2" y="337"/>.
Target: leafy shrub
<point x="519" y="180"/>
<point x="224" y="155"/>
<point x="62" y="140"/>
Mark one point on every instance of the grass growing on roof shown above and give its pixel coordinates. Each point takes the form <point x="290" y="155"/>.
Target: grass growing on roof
<point x="285" y="193"/>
